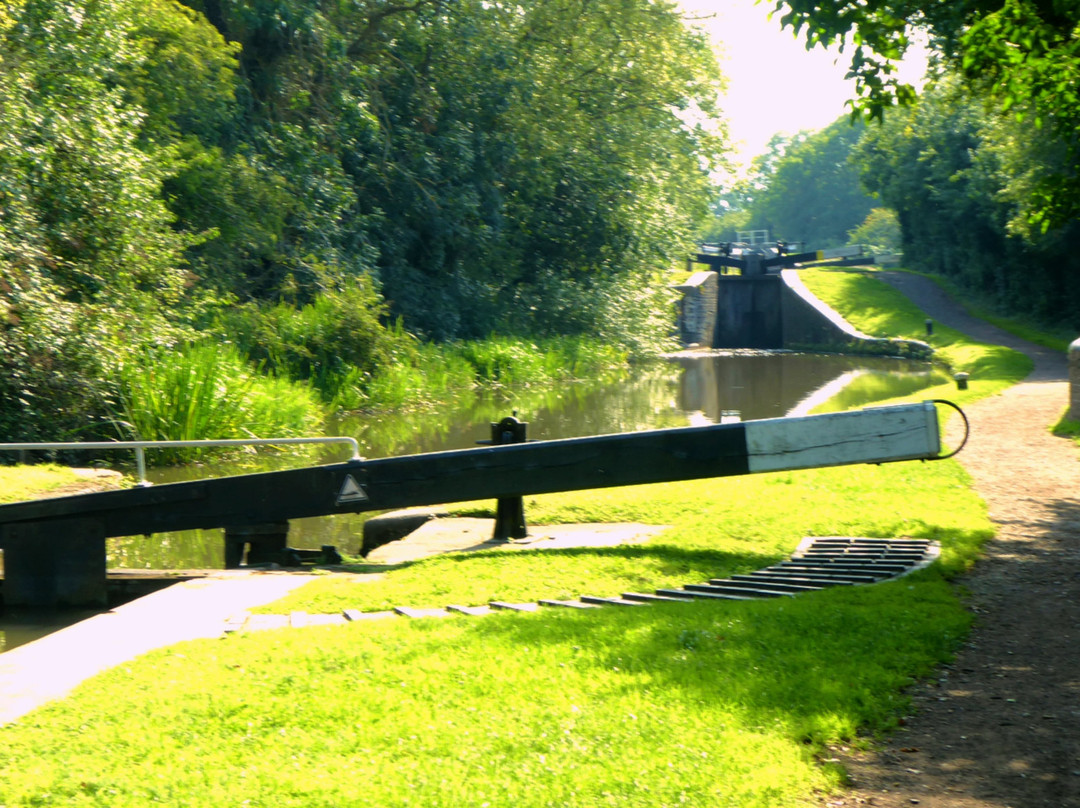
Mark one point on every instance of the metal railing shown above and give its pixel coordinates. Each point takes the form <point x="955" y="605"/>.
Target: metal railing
<point x="141" y="445"/>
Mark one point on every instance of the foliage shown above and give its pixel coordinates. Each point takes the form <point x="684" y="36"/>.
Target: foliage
<point x="480" y="162"/>
<point x="1023" y="55"/>
<point x="948" y="170"/>
<point x="88" y="253"/>
<point x="448" y="171"/>
<point x="335" y="340"/>
<point x="208" y="392"/>
<point x="804" y="189"/>
<point x="880" y="232"/>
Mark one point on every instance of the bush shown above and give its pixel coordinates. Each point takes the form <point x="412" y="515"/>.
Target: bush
<point x="337" y="342"/>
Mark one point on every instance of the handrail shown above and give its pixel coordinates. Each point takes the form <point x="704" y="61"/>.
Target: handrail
<point x="140" y="445"/>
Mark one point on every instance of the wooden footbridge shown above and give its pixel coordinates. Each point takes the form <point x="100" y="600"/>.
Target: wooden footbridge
<point x="54" y="549"/>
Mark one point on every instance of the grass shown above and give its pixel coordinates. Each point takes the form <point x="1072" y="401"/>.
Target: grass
<point x="18" y="483"/>
<point x="707" y="704"/>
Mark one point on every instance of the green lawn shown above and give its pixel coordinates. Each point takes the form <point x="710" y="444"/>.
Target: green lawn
<point x="18" y="483"/>
<point x="703" y="704"/>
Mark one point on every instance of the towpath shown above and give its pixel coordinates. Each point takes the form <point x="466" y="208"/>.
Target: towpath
<point x="1000" y="726"/>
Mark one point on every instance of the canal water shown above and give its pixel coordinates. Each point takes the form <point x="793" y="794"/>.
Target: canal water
<point x="687" y="389"/>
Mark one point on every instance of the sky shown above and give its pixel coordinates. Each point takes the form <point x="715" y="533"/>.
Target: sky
<point x="774" y="83"/>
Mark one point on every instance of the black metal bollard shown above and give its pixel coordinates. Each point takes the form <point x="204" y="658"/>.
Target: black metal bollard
<point x="929" y="327"/>
<point x="509" y="511"/>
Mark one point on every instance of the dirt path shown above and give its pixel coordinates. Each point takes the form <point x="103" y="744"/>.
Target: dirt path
<point x="1001" y="725"/>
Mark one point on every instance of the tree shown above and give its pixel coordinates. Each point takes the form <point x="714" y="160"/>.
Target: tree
<point x="88" y="254"/>
<point x="880" y="231"/>
<point x="806" y="189"/>
<point x="945" y="166"/>
<point x="475" y="157"/>
<point x="1021" y="55"/>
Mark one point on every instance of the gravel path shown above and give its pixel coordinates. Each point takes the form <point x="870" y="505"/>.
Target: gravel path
<point x="1000" y="727"/>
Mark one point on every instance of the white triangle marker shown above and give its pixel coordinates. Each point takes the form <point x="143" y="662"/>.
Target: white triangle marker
<point x="351" y="491"/>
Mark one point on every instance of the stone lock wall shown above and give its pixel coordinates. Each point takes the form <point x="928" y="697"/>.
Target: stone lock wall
<point x="697" y="310"/>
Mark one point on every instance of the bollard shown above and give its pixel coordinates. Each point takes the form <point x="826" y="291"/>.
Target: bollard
<point x="1074" y="380"/>
<point x="929" y="327"/>
<point x="509" y="511"/>
<point x="961" y="381"/>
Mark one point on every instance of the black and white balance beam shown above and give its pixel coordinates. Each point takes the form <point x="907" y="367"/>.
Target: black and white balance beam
<point x="872" y="435"/>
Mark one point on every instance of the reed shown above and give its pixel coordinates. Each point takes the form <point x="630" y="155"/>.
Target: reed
<point x="206" y="392"/>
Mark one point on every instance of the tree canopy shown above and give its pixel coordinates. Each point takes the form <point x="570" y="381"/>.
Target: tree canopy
<point x="1021" y="56"/>
<point x="805" y="188"/>
<point x="460" y="168"/>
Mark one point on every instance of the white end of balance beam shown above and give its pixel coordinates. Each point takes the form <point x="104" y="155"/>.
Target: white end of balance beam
<point x="874" y="435"/>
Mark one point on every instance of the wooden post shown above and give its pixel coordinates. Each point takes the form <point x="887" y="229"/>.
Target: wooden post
<point x="509" y="511"/>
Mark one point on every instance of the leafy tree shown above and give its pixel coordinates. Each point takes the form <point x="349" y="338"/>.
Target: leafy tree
<point x="880" y="231"/>
<point x="945" y="167"/>
<point x="88" y="254"/>
<point x="477" y="158"/>
<point x="806" y="189"/>
<point x="1021" y="55"/>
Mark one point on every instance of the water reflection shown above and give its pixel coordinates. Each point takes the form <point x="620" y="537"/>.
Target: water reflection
<point x="772" y="385"/>
<point x="688" y="389"/>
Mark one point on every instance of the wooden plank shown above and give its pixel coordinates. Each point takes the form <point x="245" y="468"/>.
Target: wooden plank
<point x="877" y="435"/>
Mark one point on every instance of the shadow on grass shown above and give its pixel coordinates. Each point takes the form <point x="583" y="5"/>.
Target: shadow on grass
<point x="823" y="664"/>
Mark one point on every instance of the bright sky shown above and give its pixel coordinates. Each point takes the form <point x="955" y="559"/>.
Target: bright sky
<point x="774" y="83"/>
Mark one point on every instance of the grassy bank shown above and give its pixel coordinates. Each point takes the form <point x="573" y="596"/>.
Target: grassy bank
<point x="726" y="704"/>
<point x="18" y="483"/>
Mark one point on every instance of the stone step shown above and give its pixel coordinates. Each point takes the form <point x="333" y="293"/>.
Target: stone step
<point x="514" y="607"/>
<point x="569" y="604"/>
<point x="647" y="598"/>
<point x="735" y="589"/>
<point x="610" y="601"/>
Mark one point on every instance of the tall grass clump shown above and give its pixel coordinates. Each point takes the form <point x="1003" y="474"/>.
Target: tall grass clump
<point x="514" y="361"/>
<point x="206" y="392"/>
